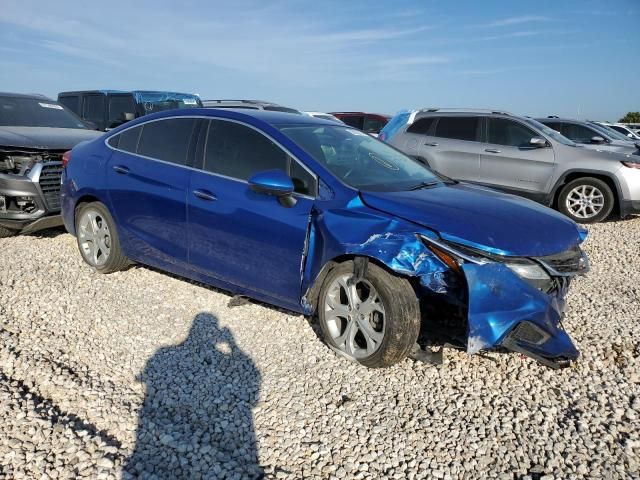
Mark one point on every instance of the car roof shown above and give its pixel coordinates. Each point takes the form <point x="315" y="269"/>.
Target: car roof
<point x="560" y="119"/>
<point x="105" y="91"/>
<point x="24" y="95"/>
<point x="273" y="118"/>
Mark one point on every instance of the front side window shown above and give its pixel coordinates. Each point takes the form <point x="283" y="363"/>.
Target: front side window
<point x="421" y="126"/>
<point x="118" y="106"/>
<point x="458" y="128"/>
<point x="507" y="132"/>
<point x="94" y="109"/>
<point x="167" y="140"/>
<point x="578" y="133"/>
<point x="238" y="151"/>
<point x="36" y="112"/>
<point x="360" y="160"/>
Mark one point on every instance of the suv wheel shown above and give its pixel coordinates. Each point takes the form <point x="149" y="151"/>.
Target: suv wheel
<point x="374" y="321"/>
<point x="586" y="200"/>
<point x="98" y="239"/>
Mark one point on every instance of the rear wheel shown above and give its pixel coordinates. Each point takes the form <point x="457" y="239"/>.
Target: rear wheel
<point x="98" y="239"/>
<point x="586" y="200"/>
<point x="374" y="321"/>
<point x="5" y="232"/>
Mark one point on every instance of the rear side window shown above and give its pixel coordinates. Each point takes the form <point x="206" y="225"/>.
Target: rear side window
<point x="167" y="140"/>
<point x="507" y="132"/>
<point x="238" y="151"/>
<point x="578" y="133"/>
<point x="118" y="106"/>
<point x="94" y="109"/>
<point x="356" y="121"/>
<point x="72" y="102"/>
<point x="458" y="128"/>
<point x="421" y="126"/>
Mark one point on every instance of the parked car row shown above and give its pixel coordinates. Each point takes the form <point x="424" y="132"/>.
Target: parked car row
<point x="385" y="241"/>
<point x="585" y="176"/>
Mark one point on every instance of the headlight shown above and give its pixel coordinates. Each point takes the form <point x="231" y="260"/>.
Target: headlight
<point x="533" y="274"/>
<point x="455" y="256"/>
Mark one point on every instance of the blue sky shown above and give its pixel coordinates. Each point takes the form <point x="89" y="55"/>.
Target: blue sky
<point x="532" y="57"/>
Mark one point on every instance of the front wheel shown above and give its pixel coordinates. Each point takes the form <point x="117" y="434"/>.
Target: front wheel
<point x="374" y="321"/>
<point x="586" y="200"/>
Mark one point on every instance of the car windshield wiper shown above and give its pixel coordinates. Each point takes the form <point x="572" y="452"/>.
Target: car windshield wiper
<point x="422" y="185"/>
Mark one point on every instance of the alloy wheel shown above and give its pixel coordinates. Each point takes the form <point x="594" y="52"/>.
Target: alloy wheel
<point x="94" y="237"/>
<point x="355" y="317"/>
<point x="585" y="201"/>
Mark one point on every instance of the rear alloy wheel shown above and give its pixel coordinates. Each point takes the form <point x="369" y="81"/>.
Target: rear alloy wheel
<point x="374" y="321"/>
<point x="586" y="200"/>
<point x="97" y="238"/>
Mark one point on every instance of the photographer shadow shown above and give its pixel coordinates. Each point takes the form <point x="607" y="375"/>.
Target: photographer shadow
<point x="196" y="421"/>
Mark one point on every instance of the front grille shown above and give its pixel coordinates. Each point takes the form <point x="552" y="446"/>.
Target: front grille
<point x="569" y="262"/>
<point x="50" y="184"/>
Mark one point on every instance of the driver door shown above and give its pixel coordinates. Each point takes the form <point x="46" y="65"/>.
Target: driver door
<point x="236" y="235"/>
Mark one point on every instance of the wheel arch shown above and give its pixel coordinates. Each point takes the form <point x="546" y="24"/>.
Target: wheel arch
<point x="571" y="175"/>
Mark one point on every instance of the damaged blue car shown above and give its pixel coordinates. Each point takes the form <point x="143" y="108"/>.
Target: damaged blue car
<point x="325" y="220"/>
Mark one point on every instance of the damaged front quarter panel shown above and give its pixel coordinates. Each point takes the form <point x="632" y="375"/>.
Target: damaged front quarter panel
<point x="502" y="309"/>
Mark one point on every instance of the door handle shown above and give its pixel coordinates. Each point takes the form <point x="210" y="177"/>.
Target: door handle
<point x="121" y="169"/>
<point x="204" y="195"/>
<point x="492" y="150"/>
<point x="432" y="144"/>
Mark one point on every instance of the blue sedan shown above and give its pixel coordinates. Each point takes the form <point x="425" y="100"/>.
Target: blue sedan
<point x="324" y="220"/>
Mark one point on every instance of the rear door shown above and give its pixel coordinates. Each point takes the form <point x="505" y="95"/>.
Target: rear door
<point x="147" y="182"/>
<point x="509" y="161"/>
<point x="239" y="236"/>
<point x="452" y="147"/>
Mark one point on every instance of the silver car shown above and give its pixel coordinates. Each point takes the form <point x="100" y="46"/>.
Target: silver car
<point x="521" y="156"/>
<point x="591" y="134"/>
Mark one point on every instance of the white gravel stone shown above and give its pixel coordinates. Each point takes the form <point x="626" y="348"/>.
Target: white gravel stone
<point x="141" y="373"/>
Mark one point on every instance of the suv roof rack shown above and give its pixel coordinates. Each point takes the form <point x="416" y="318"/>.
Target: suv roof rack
<point x="472" y="110"/>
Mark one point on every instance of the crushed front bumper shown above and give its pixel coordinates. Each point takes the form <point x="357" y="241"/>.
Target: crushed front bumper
<point x="504" y="310"/>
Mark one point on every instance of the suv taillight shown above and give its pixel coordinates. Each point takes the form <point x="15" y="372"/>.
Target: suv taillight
<point x="66" y="157"/>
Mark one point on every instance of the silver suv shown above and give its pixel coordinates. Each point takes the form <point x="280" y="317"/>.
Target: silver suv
<point x="521" y="156"/>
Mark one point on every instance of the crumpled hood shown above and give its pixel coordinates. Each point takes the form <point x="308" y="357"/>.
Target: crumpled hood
<point x="44" y="137"/>
<point x="483" y="218"/>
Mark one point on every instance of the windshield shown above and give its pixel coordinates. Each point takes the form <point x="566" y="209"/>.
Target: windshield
<point x="360" y="160"/>
<point x="609" y="132"/>
<point x="36" y="112"/>
<point x="159" y="101"/>
<point x="550" y="132"/>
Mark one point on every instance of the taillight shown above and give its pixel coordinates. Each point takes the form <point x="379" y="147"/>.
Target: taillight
<point x="66" y="157"/>
<point x="632" y="164"/>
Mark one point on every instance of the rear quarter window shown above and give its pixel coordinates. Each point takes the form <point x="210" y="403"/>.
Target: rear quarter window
<point x="458" y="128"/>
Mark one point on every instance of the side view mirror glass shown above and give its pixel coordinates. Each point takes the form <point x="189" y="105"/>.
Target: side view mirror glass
<point x="597" y="139"/>
<point x="128" y="116"/>
<point x="272" y="182"/>
<point x="538" y="142"/>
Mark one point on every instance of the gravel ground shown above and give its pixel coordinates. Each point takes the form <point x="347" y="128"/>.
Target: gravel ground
<point x="140" y="373"/>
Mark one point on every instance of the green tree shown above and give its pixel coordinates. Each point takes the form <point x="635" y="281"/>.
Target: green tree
<point x="631" y="117"/>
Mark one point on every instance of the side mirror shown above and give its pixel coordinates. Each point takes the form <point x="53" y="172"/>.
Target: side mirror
<point x="538" y="142"/>
<point x="272" y="182"/>
<point x="128" y="116"/>
<point x="597" y="140"/>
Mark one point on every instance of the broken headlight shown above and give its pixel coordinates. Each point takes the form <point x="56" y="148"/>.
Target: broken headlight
<point x="456" y="255"/>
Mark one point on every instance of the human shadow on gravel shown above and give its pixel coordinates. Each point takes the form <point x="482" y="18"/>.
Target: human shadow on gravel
<point x="196" y="421"/>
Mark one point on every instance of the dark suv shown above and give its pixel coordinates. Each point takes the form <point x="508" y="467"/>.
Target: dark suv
<point x="35" y="131"/>
<point x="107" y="109"/>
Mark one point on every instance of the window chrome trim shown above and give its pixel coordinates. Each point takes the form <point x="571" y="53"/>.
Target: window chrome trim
<point x="141" y="124"/>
